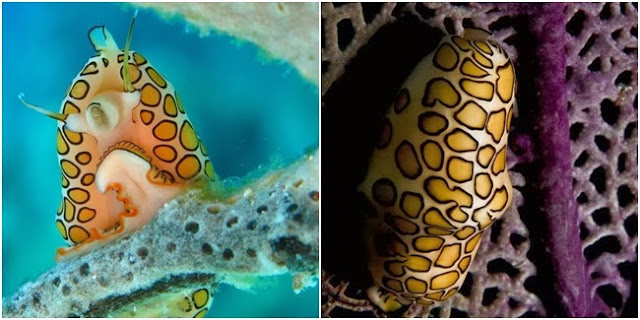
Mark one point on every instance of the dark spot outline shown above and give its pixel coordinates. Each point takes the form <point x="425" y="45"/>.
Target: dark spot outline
<point x="85" y="175"/>
<point x="84" y="71"/>
<point x="415" y="157"/>
<point x="486" y="116"/>
<point x="503" y="126"/>
<point x="81" y="153"/>
<point x="85" y="93"/>
<point x="426" y="94"/>
<point x="74" y="165"/>
<point x="83" y="202"/>
<point x="196" y="172"/>
<point x="490" y="160"/>
<point x="449" y="174"/>
<point x="498" y="80"/>
<point x="495" y="158"/>
<point x="94" y="214"/>
<point x="475" y="190"/>
<point x="158" y="74"/>
<point x="388" y="270"/>
<point x="73" y="215"/>
<point x="153" y="131"/>
<point x="185" y="122"/>
<point x="387" y="182"/>
<point x="493" y="88"/>
<point x="175" y="153"/>
<point x="121" y="73"/>
<point x="395" y="103"/>
<point x="404" y="195"/>
<point x="83" y="229"/>
<point x="389" y="218"/>
<point x="429" y="114"/>
<point x="479" y="67"/>
<point x="426" y="182"/>
<point x="154" y="88"/>
<point x="454" y="131"/>
<point x="165" y="103"/>
<point x="413" y="244"/>
<point x="441" y="153"/>
<point x="435" y="62"/>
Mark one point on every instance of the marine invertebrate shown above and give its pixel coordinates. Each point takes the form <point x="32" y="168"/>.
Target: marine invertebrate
<point x="578" y="142"/>
<point x="437" y="178"/>
<point x="201" y="88"/>
<point x="125" y="145"/>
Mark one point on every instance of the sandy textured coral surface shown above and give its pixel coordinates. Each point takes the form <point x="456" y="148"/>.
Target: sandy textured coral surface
<point x="568" y="245"/>
<point x="269" y="228"/>
<point x="293" y="36"/>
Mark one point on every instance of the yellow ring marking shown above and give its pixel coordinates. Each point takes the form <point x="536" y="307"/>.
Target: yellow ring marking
<point x="200" y="298"/>
<point x="69" y="210"/>
<point x="91" y="68"/>
<point x="149" y="95"/>
<point x="170" y="106"/>
<point x="446" y="58"/>
<point x="188" y="137"/>
<point x="139" y="59"/>
<point x="464" y="264"/>
<point x="62" y="146"/>
<point x="69" y="168"/>
<point x="78" y="195"/>
<point x="146" y="116"/>
<point x="79" y="90"/>
<point x="444" y="280"/>
<point x="61" y="229"/>
<point x="165" y="130"/>
<point x="156" y="77"/>
<point x="415" y="285"/>
<point x="449" y="255"/>
<point x="86" y="214"/>
<point x="418" y="263"/>
<point x="70" y="108"/>
<point x="72" y="136"/>
<point x="188" y="167"/>
<point x="87" y="179"/>
<point x="165" y="152"/>
<point x="78" y="234"/>
<point x="208" y="170"/>
<point x="427" y="243"/>
<point x="433" y="217"/>
<point x="83" y="157"/>
<point x="134" y="73"/>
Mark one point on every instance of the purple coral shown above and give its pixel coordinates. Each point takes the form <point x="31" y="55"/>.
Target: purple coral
<point x="569" y="244"/>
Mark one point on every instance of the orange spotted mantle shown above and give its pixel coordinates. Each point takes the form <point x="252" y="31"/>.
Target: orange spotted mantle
<point x="438" y="178"/>
<point x="125" y="146"/>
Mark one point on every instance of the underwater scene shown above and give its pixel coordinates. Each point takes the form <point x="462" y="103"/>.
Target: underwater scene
<point x="493" y="159"/>
<point x="253" y="114"/>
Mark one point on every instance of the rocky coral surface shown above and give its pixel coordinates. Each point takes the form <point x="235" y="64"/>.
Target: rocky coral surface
<point x="270" y="227"/>
<point x="568" y="245"/>
<point x="288" y="31"/>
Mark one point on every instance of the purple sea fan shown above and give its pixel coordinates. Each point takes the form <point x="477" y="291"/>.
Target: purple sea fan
<point x="568" y="245"/>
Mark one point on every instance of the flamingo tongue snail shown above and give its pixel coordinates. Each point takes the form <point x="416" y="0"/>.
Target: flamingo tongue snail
<point x="438" y="178"/>
<point x="125" y="146"/>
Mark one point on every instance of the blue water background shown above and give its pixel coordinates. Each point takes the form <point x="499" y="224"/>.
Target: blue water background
<point x="247" y="110"/>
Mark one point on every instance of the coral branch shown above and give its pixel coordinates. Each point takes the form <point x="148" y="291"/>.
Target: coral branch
<point x="556" y="177"/>
<point x="269" y="228"/>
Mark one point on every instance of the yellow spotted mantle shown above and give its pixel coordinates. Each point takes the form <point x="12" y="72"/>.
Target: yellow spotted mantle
<point x="125" y="146"/>
<point x="437" y="177"/>
<point x="190" y="303"/>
